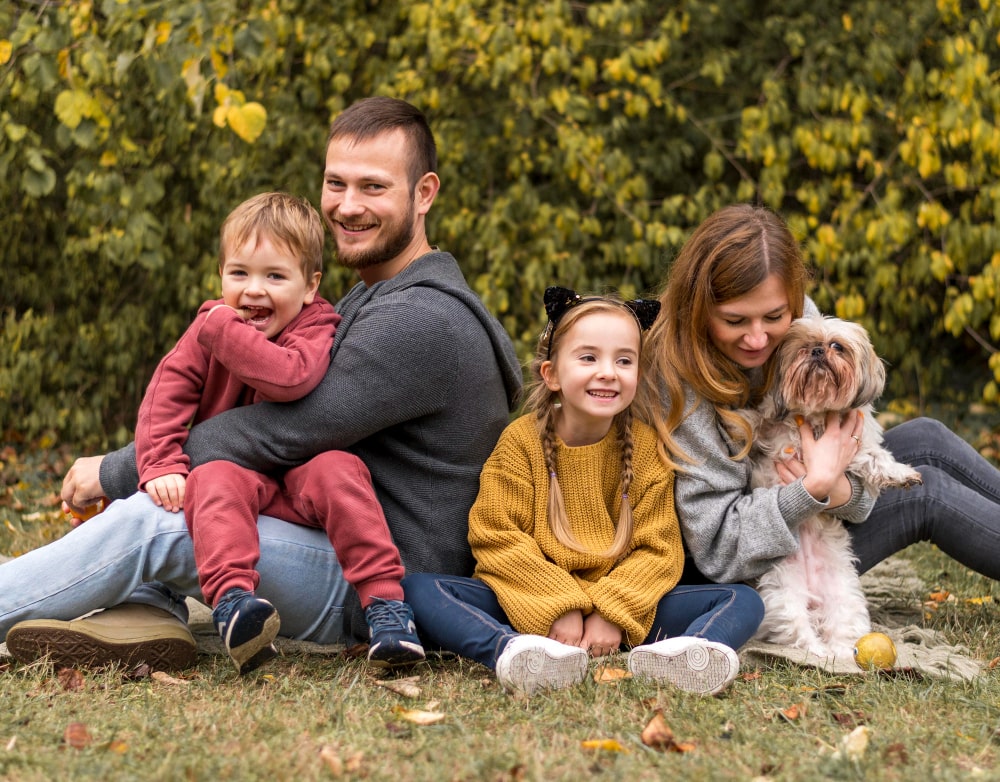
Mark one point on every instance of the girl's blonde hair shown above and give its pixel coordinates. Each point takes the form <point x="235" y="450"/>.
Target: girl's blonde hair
<point x="543" y="402"/>
<point x="730" y="254"/>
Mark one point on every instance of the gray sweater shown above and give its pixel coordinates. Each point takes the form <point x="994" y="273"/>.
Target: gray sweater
<point x="421" y="382"/>
<point x="731" y="533"/>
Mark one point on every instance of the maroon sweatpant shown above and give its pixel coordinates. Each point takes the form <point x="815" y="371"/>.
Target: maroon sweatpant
<point x="333" y="491"/>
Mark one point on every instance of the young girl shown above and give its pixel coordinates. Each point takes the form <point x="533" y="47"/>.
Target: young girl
<point x="731" y="295"/>
<point x="576" y="542"/>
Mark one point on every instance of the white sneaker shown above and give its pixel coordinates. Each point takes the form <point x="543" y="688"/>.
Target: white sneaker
<point x="533" y="662"/>
<point x="691" y="664"/>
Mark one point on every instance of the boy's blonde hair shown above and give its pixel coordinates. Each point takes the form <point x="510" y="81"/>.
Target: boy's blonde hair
<point x="541" y="401"/>
<point x="288" y="221"/>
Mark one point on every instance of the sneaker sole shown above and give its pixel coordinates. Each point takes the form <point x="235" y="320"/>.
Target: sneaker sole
<point x="73" y="649"/>
<point x="258" y="650"/>
<point x="401" y="657"/>
<point x="533" y="670"/>
<point x="699" y="669"/>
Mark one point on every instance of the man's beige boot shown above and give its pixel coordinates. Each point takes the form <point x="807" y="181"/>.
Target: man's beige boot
<point x="127" y="635"/>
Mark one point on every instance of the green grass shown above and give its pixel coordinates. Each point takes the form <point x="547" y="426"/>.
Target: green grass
<point x="317" y="718"/>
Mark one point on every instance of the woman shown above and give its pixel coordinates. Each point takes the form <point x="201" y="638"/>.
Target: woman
<point x="731" y="295"/>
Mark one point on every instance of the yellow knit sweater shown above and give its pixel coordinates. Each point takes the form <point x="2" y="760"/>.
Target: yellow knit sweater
<point x="536" y="578"/>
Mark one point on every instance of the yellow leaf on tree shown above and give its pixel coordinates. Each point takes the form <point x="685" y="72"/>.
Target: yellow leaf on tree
<point x="219" y="116"/>
<point x="163" y="32"/>
<point x="6" y="50"/>
<point x="247" y="121"/>
<point x="73" y="105"/>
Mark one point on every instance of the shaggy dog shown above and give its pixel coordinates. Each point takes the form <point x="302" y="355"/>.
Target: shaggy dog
<point x="813" y="598"/>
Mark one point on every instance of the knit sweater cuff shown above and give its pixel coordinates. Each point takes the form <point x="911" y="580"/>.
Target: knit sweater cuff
<point x="796" y="504"/>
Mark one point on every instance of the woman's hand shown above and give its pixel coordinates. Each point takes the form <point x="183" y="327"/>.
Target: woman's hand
<point x="825" y="459"/>
<point x="568" y="629"/>
<point x="600" y="636"/>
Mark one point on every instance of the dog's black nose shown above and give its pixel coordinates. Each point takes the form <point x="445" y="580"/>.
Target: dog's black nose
<point x="818" y="351"/>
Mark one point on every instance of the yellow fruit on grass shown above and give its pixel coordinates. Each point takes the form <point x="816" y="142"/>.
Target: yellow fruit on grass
<point x="875" y="651"/>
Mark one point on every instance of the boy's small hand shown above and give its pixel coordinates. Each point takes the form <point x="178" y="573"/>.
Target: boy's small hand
<point x="167" y="491"/>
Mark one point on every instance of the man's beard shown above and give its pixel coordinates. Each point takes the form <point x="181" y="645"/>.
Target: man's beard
<point x="396" y="238"/>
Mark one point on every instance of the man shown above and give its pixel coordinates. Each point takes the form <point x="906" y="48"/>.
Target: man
<point x="420" y="385"/>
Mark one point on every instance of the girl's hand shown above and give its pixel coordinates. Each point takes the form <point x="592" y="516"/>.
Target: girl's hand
<point x="600" y="636"/>
<point x="825" y="460"/>
<point x="167" y="491"/>
<point x="568" y="629"/>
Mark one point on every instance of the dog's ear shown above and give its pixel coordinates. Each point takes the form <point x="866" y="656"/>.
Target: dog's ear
<point x="870" y="369"/>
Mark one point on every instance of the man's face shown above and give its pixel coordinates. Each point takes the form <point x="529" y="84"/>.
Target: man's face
<point x="367" y="199"/>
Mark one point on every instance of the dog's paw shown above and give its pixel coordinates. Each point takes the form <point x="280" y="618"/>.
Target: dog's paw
<point x="893" y="476"/>
<point x="910" y="479"/>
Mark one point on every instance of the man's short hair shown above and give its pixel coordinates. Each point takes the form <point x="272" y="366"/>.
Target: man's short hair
<point x="371" y="117"/>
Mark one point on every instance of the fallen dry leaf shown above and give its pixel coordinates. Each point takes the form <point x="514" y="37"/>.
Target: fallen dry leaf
<point x="603" y="745"/>
<point x="118" y="747"/>
<point x="407" y="687"/>
<point x="750" y="676"/>
<point x="70" y="679"/>
<point x="978" y="601"/>
<point x="331" y="759"/>
<point x="854" y="744"/>
<point x="994" y="663"/>
<point x="336" y="764"/>
<point x="850" y="719"/>
<point x="11" y="743"/>
<point x="418" y="716"/>
<point x="355" y="651"/>
<point x="793" y="712"/>
<point x="939" y="596"/>
<point x="896" y="753"/>
<point x="76" y="735"/>
<point x="604" y="674"/>
<point x="166" y="678"/>
<point x="658" y="735"/>
<point x="139" y="672"/>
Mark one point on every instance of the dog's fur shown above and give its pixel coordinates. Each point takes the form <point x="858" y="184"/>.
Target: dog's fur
<point x="813" y="598"/>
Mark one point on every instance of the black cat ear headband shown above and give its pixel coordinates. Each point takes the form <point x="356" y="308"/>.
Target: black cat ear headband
<point x="558" y="300"/>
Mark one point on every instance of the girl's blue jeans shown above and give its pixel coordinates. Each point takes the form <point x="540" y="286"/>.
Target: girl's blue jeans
<point x="462" y="615"/>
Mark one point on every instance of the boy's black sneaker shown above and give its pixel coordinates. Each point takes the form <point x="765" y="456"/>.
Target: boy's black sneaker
<point x="247" y="625"/>
<point x="394" y="642"/>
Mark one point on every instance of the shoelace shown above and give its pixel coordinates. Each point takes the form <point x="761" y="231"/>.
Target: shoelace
<point x="382" y="613"/>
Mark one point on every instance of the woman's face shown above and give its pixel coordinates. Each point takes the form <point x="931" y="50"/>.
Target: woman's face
<point x="748" y="329"/>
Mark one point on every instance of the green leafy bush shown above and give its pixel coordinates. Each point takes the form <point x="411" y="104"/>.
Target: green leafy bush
<point x="580" y="144"/>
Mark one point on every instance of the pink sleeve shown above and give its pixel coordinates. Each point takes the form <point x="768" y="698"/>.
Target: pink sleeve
<point x="168" y="406"/>
<point x="282" y="370"/>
